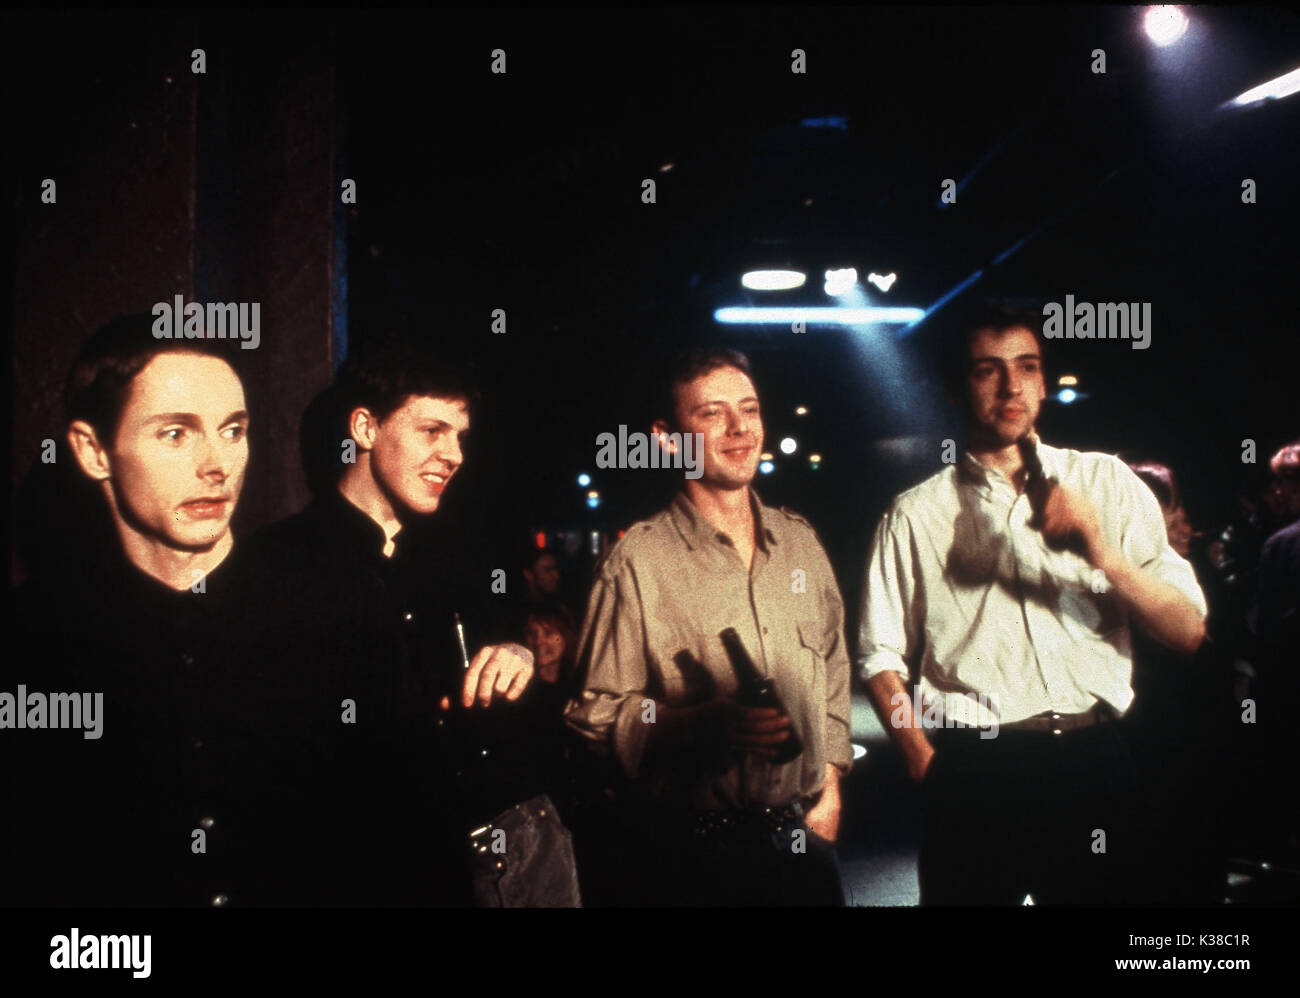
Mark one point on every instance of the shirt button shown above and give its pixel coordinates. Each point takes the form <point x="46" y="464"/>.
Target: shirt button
<point x="220" y="901"/>
<point x="206" y="822"/>
<point x="764" y="630"/>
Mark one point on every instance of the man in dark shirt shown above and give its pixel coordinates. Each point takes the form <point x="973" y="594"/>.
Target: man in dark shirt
<point x="162" y="800"/>
<point x="376" y="592"/>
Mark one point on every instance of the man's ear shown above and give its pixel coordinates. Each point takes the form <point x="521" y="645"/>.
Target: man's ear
<point x="90" y="453"/>
<point x="363" y="426"/>
<point x="659" y="430"/>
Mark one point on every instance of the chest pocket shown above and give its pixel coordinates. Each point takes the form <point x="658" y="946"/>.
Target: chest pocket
<point x="809" y="685"/>
<point x="816" y="638"/>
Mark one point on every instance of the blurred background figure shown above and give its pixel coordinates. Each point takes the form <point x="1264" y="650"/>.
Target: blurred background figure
<point x="551" y="634"/>
<point x="1160" y="480"/>
<point x="1179" y="732"/>
<point x="1283" y="496"/>
<point x="542" y="574"/>
<point x="1273" y="616"/>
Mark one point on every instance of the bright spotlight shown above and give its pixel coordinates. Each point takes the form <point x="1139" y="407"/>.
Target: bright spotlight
<point x="801" y="410"/>
<point x="1165" y="24"/>
<point x="1067" y="379"/>
<point x="1283" y="86"/>
<point x="593" y="500"/>
<point x="816" y="316"/>
<point x="1067" y="395"/>
<point x="841" y="282"/>
<point x="766" y="467"/>
<point x="773" y="280"/>
<point x="884" y="283"/>
<point x="788" y="445"/>
<point x="584" y="479"/>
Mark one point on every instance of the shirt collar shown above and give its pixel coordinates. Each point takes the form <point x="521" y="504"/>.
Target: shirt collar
<point x="696" y="530"/>
<point x="982" y="476"/>
<point x="359" y="535"/>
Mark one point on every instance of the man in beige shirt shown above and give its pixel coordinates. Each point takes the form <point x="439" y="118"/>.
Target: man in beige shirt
<point x="723" y="822"/>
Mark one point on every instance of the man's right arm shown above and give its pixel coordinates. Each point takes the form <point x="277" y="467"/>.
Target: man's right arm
<point x="887" y="639"/>
<point x="614" y="712"/>
<point x="895" y="706"/>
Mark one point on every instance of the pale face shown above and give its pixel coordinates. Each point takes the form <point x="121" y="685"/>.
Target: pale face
<point x="1005" y="387"/>
<point x="177" y="466"/>
<point x="416" y="451"/>
<point x="723" y="406"/>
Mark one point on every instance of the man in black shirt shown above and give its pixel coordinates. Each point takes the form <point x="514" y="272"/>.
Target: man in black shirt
<point x="376" y="591"/>
<point x="166" y="802"/>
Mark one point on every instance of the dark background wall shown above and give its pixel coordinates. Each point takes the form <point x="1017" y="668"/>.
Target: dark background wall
<point x="523" y="192"/>
<point x="216" y="187"/>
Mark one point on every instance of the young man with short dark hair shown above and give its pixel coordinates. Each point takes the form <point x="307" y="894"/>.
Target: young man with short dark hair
<point x="377" y="601"/>
<point x="1009" y="582"/>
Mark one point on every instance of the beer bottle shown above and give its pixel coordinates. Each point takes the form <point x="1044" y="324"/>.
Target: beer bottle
<point x="757" y="690"/>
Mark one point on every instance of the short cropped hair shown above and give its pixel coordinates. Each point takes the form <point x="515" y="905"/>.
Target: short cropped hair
<point x="961" y="325"/>
<point x="382" y="373"/>
<point x="685" y="367"/>
<point x="99" y="383"/>
<point x="531" y="554"/>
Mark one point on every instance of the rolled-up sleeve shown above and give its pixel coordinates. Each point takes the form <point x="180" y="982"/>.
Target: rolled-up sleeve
<point x="886" y="634"/>
<point x="612" y="658"/>
<point x="1145" y="540"/>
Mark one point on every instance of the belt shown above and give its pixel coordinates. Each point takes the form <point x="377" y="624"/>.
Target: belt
<point x="1059" y="724"/>
<point x="709" y="824"/>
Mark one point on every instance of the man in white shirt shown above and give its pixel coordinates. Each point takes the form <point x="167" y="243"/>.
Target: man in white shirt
<point x="1009" y="582"/>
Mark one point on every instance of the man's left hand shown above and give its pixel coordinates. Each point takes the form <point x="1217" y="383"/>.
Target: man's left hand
<point x="824" y="818"/>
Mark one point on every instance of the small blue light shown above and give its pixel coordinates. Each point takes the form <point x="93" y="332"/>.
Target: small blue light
<point x="593" y="502"/>
<point x="584" y="479"/>
<point x="1067" y="395"/>
<point x="836" y="121"/>
<point x="766" y="467"/>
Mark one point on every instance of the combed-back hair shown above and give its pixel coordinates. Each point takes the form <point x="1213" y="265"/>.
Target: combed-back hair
<point x="99" y="383"/>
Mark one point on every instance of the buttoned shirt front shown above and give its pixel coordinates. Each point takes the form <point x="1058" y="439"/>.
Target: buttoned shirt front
<point x="660" y="600"/>
<point x="999" y="625"/>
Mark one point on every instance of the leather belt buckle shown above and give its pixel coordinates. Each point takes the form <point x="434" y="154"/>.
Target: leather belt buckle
<point x="1055" y="723"/>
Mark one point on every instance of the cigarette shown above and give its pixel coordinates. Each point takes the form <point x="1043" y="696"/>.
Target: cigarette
<point x="460" y="638"/>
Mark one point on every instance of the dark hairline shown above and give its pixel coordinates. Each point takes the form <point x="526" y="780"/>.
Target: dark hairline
<point x="178" y="347"/>
<point x="684" y="382"/>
